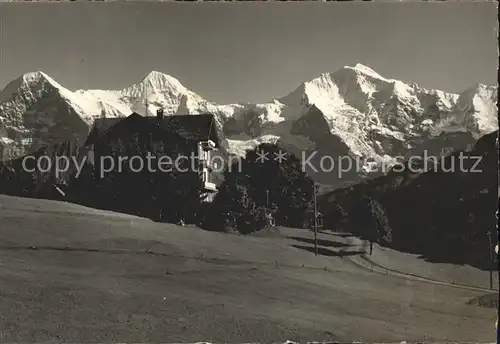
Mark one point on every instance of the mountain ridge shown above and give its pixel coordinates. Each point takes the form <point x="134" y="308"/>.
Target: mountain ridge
<point x="375" y="117"/>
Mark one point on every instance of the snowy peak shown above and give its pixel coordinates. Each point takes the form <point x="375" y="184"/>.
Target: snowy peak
<point x="371" y="113"/>
<point x="35" y="110"/>
<point x="159" y="89"/>
<point x="366" y="71"/>
<point x="26" y="82"/>
<point x="353" y="86"/>
<point x="156" y="89"/>
<point x="363" y="89"/>
<point x="359" y="78"/>
<point x="155" y="83"/>
<point x="37" y="77"/>
<point x="162" y="81"/>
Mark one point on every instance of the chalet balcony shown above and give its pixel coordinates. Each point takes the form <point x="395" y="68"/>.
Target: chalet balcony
<point x="210" y="186"/>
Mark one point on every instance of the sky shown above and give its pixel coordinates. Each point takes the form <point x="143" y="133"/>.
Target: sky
<point x="249" y="52"/>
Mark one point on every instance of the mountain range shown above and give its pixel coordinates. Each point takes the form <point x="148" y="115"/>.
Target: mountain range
<point x="353" y="112"/>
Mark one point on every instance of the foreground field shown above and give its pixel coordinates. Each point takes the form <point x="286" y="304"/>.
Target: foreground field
<point x="74" y="274"/>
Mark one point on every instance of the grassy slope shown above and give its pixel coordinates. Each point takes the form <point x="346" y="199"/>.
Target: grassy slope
<point x="239" y="289"/>
<point x="415" y="264"/>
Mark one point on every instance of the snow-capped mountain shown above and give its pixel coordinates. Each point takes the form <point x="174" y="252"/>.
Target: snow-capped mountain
<point x="353" y="111"/>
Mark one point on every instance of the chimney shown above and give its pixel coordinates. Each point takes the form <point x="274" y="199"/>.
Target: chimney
<point x="159" y="114"/>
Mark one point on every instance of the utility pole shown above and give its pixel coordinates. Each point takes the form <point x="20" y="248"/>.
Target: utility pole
<point x="491" y="259"/>
<point x="315" y="221"/>
<point x="267" y="199"/>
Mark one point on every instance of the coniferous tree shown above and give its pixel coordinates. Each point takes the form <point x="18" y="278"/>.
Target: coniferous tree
<point x="263" y="183"/>
<point x="373" y="221"/>
<point x="337" y="217"/>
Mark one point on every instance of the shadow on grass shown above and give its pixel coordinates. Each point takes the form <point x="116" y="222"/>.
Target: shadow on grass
<point x="342" y="235"/>
<point x="481" y="264"/>
<point x="321" y="242"/>
<point x="440" y="259"/>
<point x="330" y="253"/>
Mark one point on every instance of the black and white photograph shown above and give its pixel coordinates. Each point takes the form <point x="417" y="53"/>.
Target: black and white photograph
<point x="249" y="172"/>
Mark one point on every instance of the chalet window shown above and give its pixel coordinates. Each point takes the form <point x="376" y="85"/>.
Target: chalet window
<point x="206" y="176"/>
<point x="27" y="141"/>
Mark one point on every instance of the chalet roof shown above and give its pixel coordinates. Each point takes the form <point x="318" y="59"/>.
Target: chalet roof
<point x="192" y="127"/>
<point x="100" y="126"/>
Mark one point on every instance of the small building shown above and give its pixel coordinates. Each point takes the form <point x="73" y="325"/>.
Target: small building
<point x="311" y="219"/>
<point x="187" y="133"/>
<point x="270" y="220"/>
<point x="319" y="220"/>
